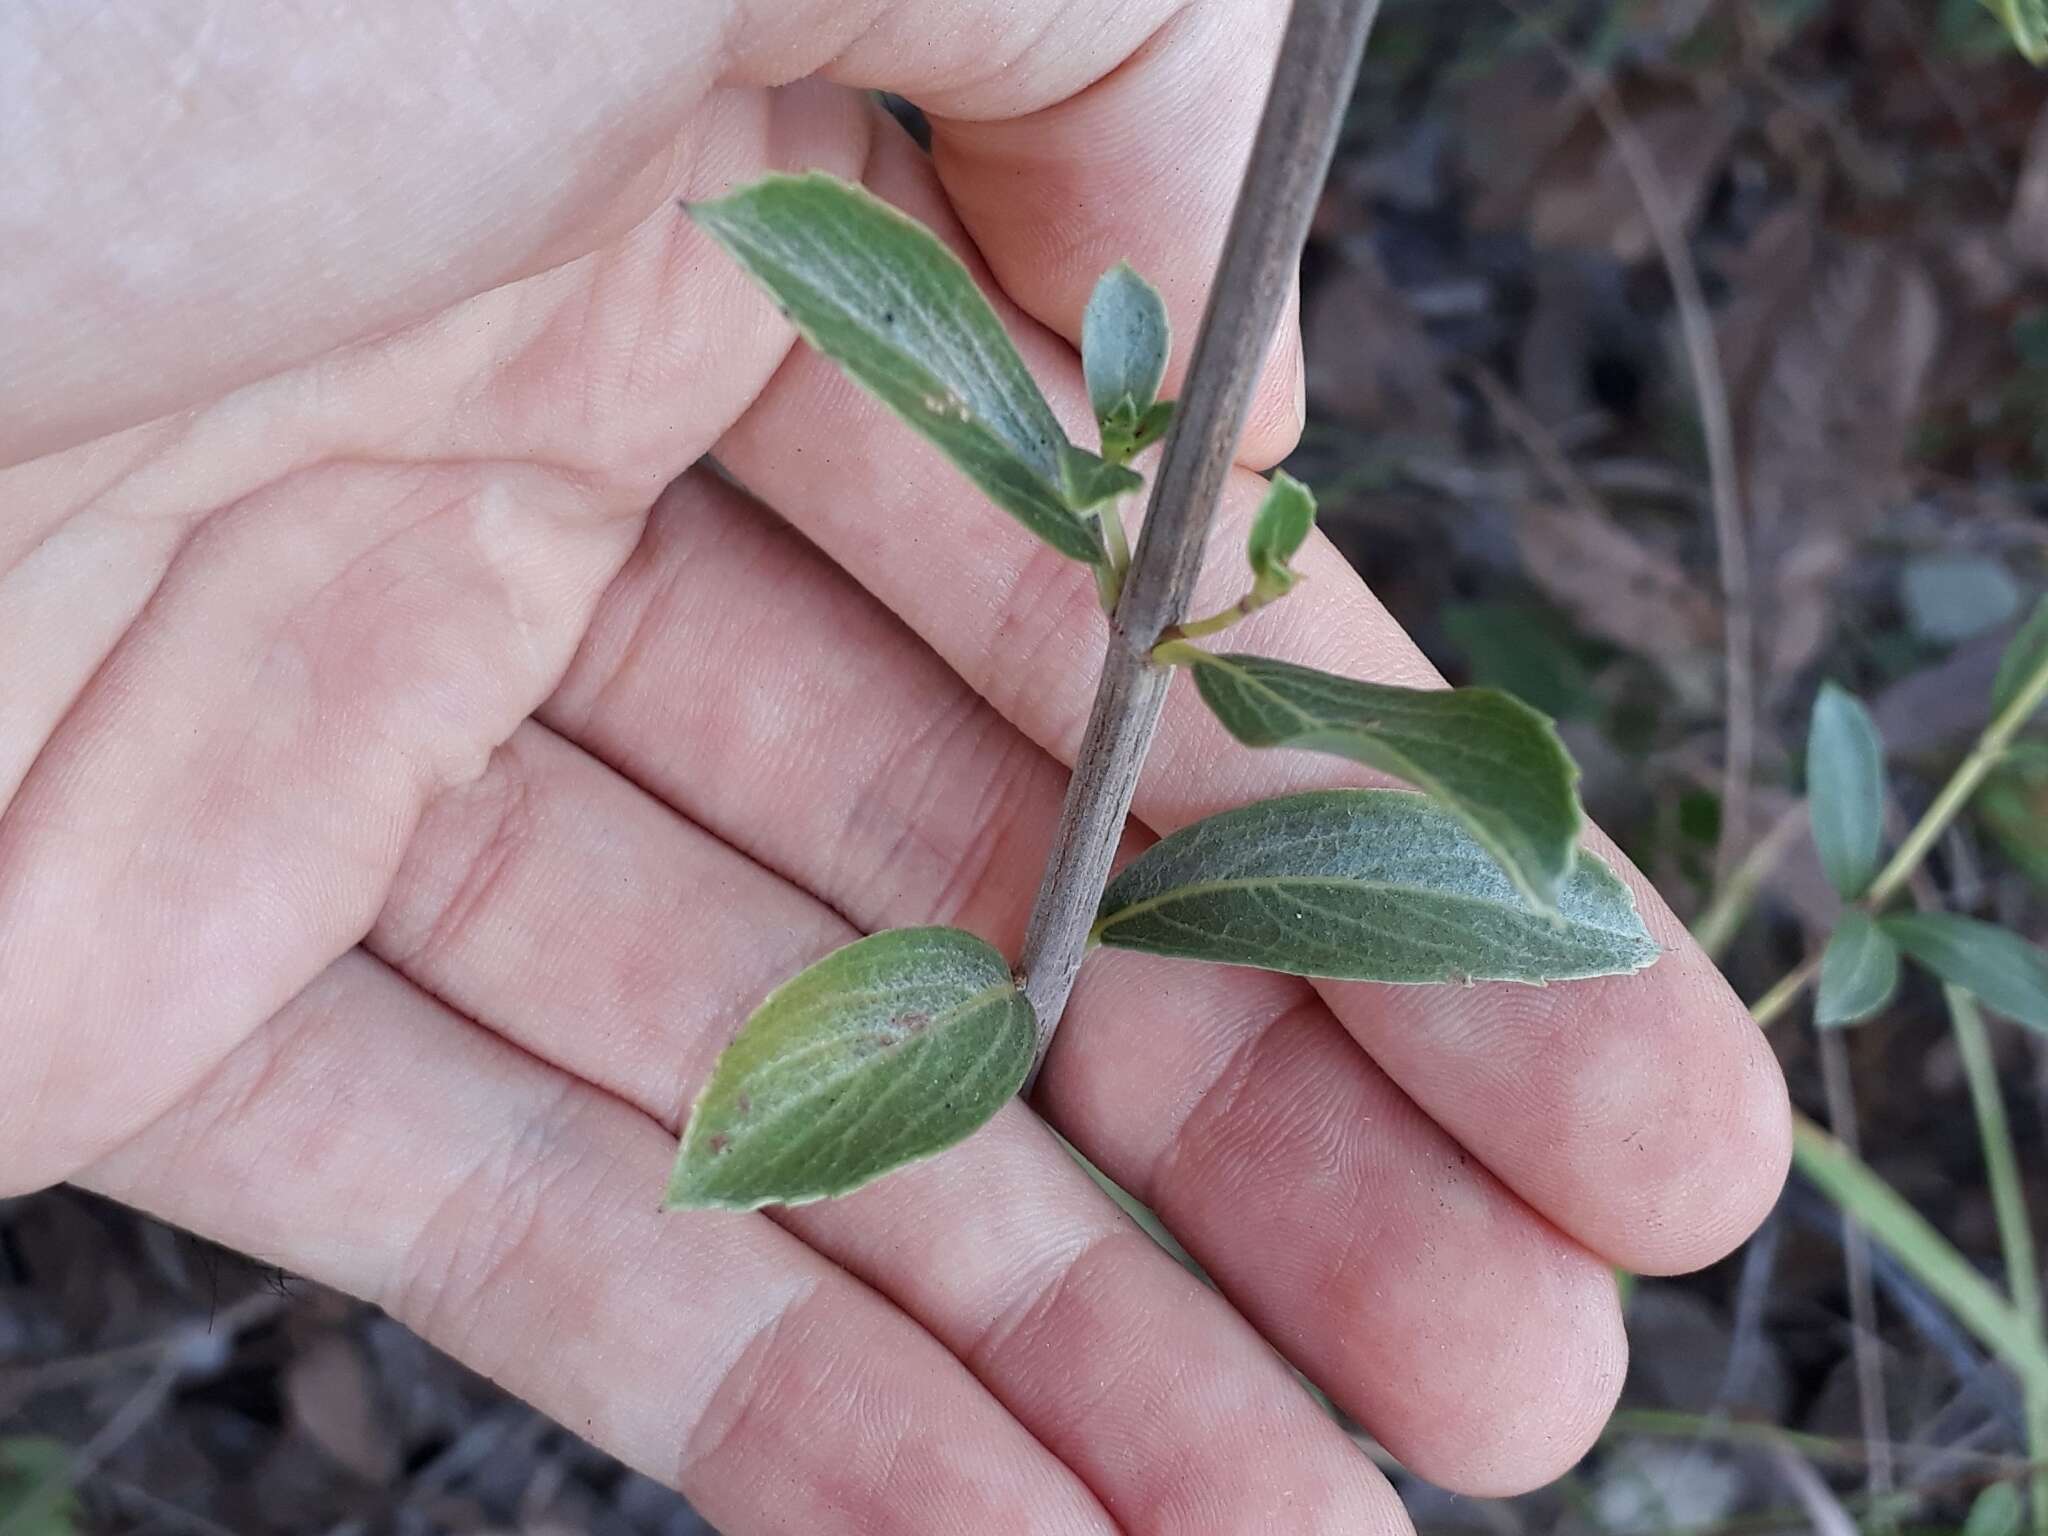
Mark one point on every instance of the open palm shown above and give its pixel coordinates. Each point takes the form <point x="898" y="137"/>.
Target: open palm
<point x="406" y="796"/>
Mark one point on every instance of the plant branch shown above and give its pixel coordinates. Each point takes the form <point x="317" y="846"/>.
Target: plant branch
<point x="1963" y="783"/>
<point x="1928" y="1256"/>
<point x="1863" y="1338"/>
<point x="1766" y="1009"/>
<point x="1970" y="773"/>
<point x="2009" y="1204"/>
<point x="1297" y="135"/>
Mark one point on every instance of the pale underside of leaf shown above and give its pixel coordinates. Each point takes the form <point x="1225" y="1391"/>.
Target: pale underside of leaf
<point x="1488" y="758"/>
<point x="882" y="296"/>
<point x="1859" y="972"/>
<point x="884" y="1052"/>
<point x="1365" y="885"/>
<point x="1124" y="341"/>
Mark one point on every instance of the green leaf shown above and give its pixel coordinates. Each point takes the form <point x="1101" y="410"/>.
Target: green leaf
<point x="2013" y="805"/>
<point x="886" y="1051"/>
<point x="1087" y="481"/>
<point x="2027" y="23"/>
<point x="1845" y="789"/>
<point x="1950" y="598"/>
<point x="880" y="295"/>
<point x="2004" y="971"/>
<point x="1488" y="758"/>
<point x="35" y="1496"/>
<point x="1997" y="1511"/>
<point x="1526" y="650"/>
<point x="1124" y="341"/>
<point x="1859" y="971"/>
<point x="1367" y="885"/>
<point x="2024" y="659"/>
<point x="1279" y="529"/>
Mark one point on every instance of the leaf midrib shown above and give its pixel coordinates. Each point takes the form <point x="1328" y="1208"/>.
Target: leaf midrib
<point x="1506" y="851"/>
<point x="1336" y="882"/>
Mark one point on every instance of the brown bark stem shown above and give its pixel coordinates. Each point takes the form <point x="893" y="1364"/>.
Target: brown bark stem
<point x="1297" y="136"/>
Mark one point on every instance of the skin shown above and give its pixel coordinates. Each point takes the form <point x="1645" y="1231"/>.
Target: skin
<point x="405" y="795"/>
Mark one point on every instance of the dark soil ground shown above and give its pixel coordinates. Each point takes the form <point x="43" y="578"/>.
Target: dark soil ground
<point x="1505" y="432"/>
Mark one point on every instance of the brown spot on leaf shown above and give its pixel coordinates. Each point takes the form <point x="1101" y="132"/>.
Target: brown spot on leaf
<point x="719" y="1143"/>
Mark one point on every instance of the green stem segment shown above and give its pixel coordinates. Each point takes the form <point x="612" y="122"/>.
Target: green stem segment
<point x="1109" y="574"/>
<point x="1215" y="623"/>
<point x="1933" y="1260"/>
<point x="2009" y="1204"/>
<point x="1963" y="783"/>
<point x="1766" y="1009"/>
<point x="1970" y="773"/>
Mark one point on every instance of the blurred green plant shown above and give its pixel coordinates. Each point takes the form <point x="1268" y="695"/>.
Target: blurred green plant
<point x="1977" y="963"/>
<point x="2026" y="23"/>
<point x="35" y="1493"/>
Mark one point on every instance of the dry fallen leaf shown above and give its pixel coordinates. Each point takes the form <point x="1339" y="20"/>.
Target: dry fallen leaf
<point x="333" y="1401"/>
<point x="1618" y="587"/>
<point x="1827" y="349"/>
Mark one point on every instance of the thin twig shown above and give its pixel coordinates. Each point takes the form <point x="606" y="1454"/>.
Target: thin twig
<point x="1735" y="897"/>
<point x="1703" y="358"/>
<point x="1823" y="1510"/>
<point x="171" y="1366"/>
<point x="2008" y="1196"/>
<point x="1297" y="135"/>
<point x="1538" y="442"/>
<point x="1784" y="992"/>
<point x="1863" y="1339"/>
<point x="1989" y="750"/>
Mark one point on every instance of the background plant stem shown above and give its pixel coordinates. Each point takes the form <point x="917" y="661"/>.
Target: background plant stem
<point x="1297" y="135"/>
<point x="1962" y="784"/>
<point x="1934" y="1261"/>
<point x="2009" y="1205"/>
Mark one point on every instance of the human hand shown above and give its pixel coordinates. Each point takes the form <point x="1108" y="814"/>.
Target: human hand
<point x="399" y="816"/>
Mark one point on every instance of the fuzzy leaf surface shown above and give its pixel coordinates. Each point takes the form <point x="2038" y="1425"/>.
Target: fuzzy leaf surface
<point x="886" y="1051"/>
<point x="1124" y="342"/>
<point x="1488" y="758"/>
<point x="880" y="295"/>
<point x="1366" y="885"/>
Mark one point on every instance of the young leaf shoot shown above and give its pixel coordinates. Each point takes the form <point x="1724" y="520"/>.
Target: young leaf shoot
<point x="886" y="1051"/>
<point x="1124" y="342"/>
<point x="1279" y="529"/>
<point x="1367" y="885"/>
